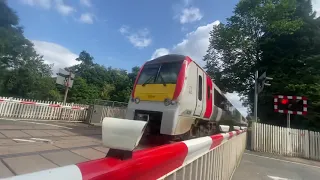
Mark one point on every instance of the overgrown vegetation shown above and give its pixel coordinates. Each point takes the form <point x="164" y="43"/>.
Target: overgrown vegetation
<point x="281" y="37"/>
<point x="24" y="74"/>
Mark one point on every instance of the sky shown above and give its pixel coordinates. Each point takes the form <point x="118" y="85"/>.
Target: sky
<point x="123" y="33"/>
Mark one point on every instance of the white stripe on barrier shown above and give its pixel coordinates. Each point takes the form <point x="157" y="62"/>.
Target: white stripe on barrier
<point x="197" y="147"/>
<point x="225" y="137"/>
<point x="234" y="133"/>
<point x="71" y="172"/>
<point x="236" y="127"/>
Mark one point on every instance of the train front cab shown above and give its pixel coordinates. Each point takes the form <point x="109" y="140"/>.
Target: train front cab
<point x="156" y="92"/>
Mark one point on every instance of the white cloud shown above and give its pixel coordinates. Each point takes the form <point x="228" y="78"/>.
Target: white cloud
<point x="46" y="4"/>
<point x="64" y="9"/>
<point x="189" y="15"/>
<point x="60" y="5"/>
<point x="195" y="45"/>
<point x="55" y="54"/>
<point x="160" y="52"/>
<point x="316" y="6"/>
<point x="124" y="29"/>
<point x="86" y="18"/>
<point x="86" y="3"/>
<point x="140" y="38"/>
<point x="185" y="12"/>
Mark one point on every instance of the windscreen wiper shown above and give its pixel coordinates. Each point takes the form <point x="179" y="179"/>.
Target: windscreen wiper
<point x="146" y="82"/>
<point x="163" y="82"/>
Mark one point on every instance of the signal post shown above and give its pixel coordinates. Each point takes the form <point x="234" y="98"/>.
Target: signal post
<point x="259" y="84"/>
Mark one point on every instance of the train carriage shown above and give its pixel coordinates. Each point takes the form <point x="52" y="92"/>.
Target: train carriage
<point x="179" y="99"/>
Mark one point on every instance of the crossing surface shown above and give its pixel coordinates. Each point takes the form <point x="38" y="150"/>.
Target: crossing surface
<point x="261" y="166"/>
<point x="28" y="146"/>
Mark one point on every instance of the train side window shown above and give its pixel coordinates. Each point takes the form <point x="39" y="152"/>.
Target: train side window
<point x="208" y="91"/>
<point x="200" y="88"/>
<point x="219" y="100"/>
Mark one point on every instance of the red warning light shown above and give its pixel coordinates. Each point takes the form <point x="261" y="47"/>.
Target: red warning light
<point x="284" y="101"/>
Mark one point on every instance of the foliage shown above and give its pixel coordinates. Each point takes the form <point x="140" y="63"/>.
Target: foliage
<point x="277" y="36"/>
<point x="23" y="72"/>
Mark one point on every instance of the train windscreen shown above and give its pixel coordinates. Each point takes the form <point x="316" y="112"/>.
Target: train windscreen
<point x="164" y="73"/>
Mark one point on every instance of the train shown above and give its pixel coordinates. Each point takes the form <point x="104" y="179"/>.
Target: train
<point x="179" y="100"/>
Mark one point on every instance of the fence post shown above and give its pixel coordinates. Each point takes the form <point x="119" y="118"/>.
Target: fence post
<point x="252" y="135"/>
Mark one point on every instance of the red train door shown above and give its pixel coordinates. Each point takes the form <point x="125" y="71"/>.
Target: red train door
<point x="209" y="105"/>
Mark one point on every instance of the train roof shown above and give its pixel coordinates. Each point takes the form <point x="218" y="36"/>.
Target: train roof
<point x="167" y="58"/>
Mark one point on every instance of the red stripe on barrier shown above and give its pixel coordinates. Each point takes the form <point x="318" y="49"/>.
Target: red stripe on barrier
<point x="27" y="102"/>
<point x="216" y="140"/>
<point x="238" y="132"/>
<point x="54" y="105"/>
<point x="145" y="164"/>
<point x="230" y="135"/>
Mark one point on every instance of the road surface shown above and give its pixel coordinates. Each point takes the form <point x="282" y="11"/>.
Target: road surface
<point x="29" y="146"/>
<point x="257" y="166"/>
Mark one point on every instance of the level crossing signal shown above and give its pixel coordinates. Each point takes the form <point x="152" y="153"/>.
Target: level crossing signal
<point x="290" y="104"/>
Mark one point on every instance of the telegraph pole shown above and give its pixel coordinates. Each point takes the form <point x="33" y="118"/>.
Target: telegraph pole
<point x="259" y="84"/>
<point x="65" y="78"/>
<point x="67" y="88"/>
<point x="256" y="96"/>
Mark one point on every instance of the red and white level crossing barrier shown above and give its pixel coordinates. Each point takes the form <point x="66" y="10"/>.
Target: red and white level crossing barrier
<point x="305" y="104"/>
<point x="41" y="104"/>
<point x="160" y="162"/>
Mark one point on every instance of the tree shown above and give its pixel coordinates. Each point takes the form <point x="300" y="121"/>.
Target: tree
<point x="22" y="70"/>
<point x="24" y="74"/>
<point x="108" y="83"/>
<point x="82" y="92"/>
<point x="272" y="36"/>
<point x="295" y="67"/>
<point x="134" y="73"/>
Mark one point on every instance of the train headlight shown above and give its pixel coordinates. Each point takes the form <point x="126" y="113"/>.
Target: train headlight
<point x="137" y="100"/>
<point x="167" y="102"/>
<point x="173" y="102"/>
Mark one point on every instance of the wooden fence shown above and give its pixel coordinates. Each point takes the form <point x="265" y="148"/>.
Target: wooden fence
<point x="41" y="112"/>
<point x="285" y="141"/>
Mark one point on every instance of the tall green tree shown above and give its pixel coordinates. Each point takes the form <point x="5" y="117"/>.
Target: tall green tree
<point x="261" y="35"/>
<point x="106" y="83"/>
<point x="22" y="70"/>
<point x="295" y="66"/>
